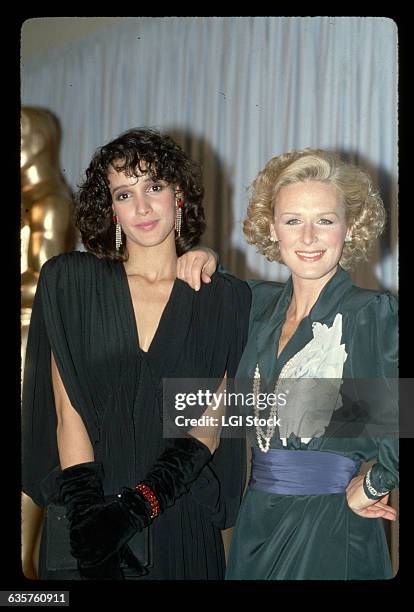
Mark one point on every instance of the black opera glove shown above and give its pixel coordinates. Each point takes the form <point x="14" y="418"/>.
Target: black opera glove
<point x="176" y="469"/>
<point x="104" y="529"/>
<point x="168" y="479"/>
<point x="81" y="487"/>
<point x="82" y="493"/>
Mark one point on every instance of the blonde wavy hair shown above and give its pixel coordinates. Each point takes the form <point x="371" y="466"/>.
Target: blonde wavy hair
<point x="364" y="209"/>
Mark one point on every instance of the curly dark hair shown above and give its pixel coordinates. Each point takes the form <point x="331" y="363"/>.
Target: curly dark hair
<point x="142" y="150"/>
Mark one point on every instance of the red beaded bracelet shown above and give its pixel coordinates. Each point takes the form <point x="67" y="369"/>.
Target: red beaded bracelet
<point x="150" y="496"/>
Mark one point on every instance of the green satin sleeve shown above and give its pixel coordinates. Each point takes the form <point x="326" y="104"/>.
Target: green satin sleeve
<point x="384" y="474"/>
<point x="387" y="334"/>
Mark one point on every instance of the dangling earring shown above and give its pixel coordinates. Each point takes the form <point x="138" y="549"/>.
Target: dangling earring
<point x="178" y="215"/>
<point x="118" y="234"/>
<point x="272" y="237"/>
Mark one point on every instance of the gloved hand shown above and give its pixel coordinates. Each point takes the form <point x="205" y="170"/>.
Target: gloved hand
<point x="104" y="529"/>
<point x="101" y="529"/>
<point x="82" y="493"/>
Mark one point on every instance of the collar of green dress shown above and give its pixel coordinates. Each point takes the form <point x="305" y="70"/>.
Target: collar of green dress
<point x="328" y="300"/>
<point x="270" y="322"/>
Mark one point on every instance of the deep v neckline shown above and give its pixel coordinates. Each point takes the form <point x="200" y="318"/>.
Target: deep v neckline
<point x="291" y="338"/>
<point x="131" y="311"/>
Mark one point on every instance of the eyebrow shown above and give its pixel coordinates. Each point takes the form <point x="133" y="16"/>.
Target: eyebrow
<point x="113" y="191"/>
<point x="128" y="186"/>
<point x="323" y="212"/>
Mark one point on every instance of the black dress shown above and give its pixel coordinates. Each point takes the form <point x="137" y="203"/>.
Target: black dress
<point x="83" y="311"/>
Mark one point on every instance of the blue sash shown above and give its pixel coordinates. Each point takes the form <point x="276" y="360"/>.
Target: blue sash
<point x="301" y="472"/>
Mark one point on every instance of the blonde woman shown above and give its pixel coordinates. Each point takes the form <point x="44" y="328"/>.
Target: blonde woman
<point x="308" y="514"/>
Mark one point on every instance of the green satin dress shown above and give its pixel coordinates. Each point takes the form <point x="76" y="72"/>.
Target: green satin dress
<point x="318" y="537"/>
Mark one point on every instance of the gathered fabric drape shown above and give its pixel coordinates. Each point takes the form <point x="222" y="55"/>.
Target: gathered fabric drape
<point x="234" y="91"/>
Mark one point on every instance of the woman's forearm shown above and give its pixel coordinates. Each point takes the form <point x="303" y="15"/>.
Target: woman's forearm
<point x="73" y="441"/>
<point x="73" y="445"/>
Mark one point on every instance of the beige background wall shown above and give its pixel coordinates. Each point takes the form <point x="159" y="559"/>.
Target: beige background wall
<point x="40" y="34"/>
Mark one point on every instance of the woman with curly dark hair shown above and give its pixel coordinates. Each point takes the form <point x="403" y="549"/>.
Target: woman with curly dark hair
<point x="108" y="325"/>
<point x="138" y="153"/>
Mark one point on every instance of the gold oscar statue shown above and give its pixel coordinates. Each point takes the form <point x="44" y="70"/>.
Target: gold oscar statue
<point x="46" y="229"/>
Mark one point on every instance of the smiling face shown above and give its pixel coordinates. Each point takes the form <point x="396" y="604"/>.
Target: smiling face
<point x="310" y="225"/>
<point x="145" y="207"/>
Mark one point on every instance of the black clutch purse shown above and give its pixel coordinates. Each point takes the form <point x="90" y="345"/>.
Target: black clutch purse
<point x="58" y="555"/>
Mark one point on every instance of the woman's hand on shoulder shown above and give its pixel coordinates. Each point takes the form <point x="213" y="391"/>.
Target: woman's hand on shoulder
<point x="197" y="265"/>
<point x="366" y="507"/>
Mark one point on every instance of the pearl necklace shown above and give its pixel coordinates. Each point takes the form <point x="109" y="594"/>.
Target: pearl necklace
<point x="272" y="415"/>
<point x="263" y="439"/>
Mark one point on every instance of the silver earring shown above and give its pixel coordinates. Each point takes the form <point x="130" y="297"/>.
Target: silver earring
<point x="118" y="234"/>
<point x="178" y="215"/>
<point x="348" y="239"/>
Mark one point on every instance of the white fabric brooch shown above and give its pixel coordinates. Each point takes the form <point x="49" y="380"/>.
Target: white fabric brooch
<point x="311" y="380"/>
